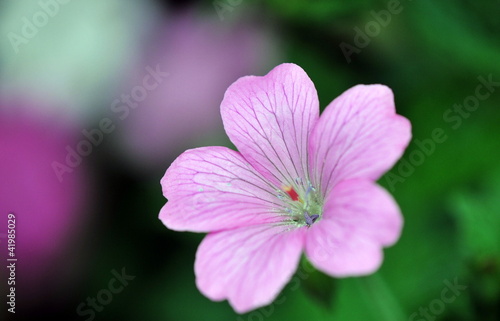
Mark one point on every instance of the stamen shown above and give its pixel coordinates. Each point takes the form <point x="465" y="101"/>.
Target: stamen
<point x="309" y="189"/>
<point x="292" y="193"/>
<point x="310" y="219"/>
<point x="300" y="200"/>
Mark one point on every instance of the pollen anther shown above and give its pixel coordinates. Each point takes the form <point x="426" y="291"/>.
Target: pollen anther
<point x="292" y="193"/>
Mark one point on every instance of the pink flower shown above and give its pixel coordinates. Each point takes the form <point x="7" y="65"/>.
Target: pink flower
<point x="299" y="182"/>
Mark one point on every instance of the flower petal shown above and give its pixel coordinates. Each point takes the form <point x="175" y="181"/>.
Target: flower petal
<point x="214" y="188"/>
<point x="248" y="266"/>
<point x="359" y="219"/>
<point x="269" y="120"/>
<point x="359" y="135"/>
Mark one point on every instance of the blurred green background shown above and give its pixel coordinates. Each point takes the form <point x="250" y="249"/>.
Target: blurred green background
<point x="433" y="54"/>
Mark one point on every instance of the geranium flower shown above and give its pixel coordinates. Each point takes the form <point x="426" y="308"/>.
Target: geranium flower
<point x="299" y="182"/>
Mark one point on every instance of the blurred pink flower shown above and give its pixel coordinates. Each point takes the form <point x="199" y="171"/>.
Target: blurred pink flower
<point x="202" y="57"/>
<point x="46" y="210"/>
<point x="299" y="182"/>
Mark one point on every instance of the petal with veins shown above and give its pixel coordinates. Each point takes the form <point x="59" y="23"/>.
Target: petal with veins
<point x="359" y="135"/>
<point x="248" y="266"/>
<point x="359" y="219"/>
<point x="269" y="120"/>
<point x="214" y="188"/>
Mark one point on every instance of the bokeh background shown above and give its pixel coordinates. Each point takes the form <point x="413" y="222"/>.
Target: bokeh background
<point x="72" y="80"/>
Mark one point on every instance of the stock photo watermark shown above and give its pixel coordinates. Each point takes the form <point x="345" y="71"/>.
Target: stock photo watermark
<point x="120" y="106"/>
<point x="11" y="261"/>
<point x="363" y="37"/>
<point x="453" y="116"/>
<point x="31" y="25"/>
<point x="436" y="307"/>
<point x="104" y="297"/>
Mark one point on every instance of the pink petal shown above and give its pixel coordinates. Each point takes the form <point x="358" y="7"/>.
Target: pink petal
<point x="359" y="219"/>
<point x="358" y="136"/>
<point x="269" y="120"/>
<point x="214" y="188"/>
<point x="248" y="266"/>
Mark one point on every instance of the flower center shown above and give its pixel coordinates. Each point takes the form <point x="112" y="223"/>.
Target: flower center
<point x="303" y="203"/>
